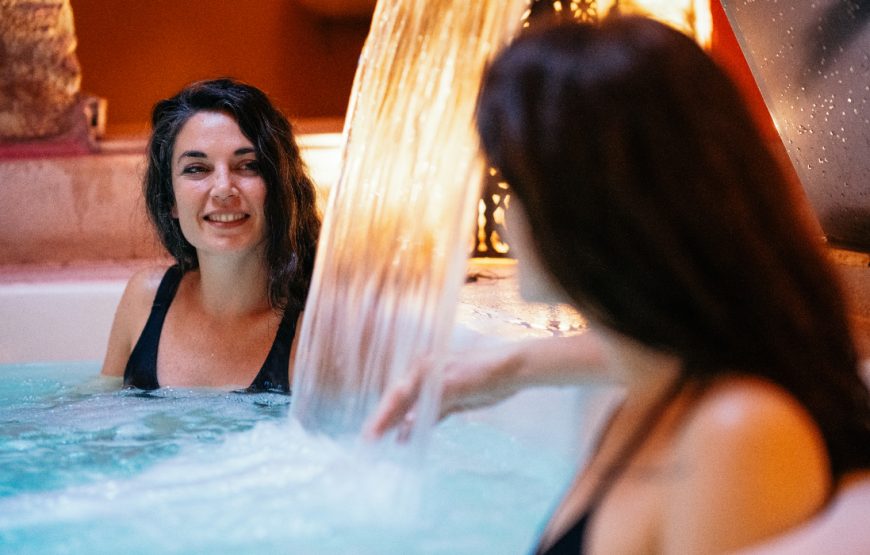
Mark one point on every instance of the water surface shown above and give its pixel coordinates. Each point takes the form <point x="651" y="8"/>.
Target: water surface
<point x="88" y="468"/>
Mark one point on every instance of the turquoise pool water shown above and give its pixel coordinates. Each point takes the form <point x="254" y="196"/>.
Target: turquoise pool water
<point x="88" y="468"/>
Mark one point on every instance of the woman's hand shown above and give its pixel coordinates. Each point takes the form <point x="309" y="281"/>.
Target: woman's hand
<point x="471" y="379"/>
<point x="487" y="375"/>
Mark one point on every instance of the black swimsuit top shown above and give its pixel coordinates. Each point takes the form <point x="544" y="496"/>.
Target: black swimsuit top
<point x="573" y="540"/>
<point x="141" y="370"/>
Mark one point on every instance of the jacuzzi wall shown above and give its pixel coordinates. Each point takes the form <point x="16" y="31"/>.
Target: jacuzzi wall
<point x="62" y="315"/>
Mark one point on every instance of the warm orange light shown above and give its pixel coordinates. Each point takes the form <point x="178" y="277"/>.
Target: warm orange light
<point x="339" y="8"/>
<point x="692" y="17"/>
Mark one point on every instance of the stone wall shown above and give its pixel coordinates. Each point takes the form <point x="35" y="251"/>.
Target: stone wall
<point x="39" y="72"/>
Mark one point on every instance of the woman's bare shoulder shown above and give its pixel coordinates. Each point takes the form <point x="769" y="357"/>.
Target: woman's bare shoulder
<point x="745" y="404"/>
<point x="752" y="413"/>
<point x="142" y="285"/>
<point x="130" y="317"/>
<point x="742" y="418"/>
<point x="754" y="463"/>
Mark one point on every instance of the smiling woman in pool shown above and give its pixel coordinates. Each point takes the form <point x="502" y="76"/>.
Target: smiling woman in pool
<point x="232" y="203"/>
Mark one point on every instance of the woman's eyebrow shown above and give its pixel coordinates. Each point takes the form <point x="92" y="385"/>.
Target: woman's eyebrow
<point x="192" y="154"/>
<point x="199" y="154"/>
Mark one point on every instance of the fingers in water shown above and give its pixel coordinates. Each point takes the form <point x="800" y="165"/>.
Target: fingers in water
<point x="393" y="409"/>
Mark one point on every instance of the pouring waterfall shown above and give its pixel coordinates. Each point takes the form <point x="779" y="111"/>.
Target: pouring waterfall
<point x="398" y="224"/>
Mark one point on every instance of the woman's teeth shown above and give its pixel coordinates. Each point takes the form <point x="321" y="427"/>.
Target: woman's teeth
<point x="225" y="218"/>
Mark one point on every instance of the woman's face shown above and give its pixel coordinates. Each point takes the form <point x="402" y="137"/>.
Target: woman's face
<point x="219" y="192"/>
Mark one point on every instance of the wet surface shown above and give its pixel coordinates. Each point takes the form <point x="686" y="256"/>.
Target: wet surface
<point x="811" y="60"/>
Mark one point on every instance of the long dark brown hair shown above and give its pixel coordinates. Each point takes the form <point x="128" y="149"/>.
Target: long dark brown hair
<point x="658" y="207"/>
<point x="292" y="220"/>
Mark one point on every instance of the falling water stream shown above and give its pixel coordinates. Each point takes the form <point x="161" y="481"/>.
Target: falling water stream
<point x="392" y="253"/>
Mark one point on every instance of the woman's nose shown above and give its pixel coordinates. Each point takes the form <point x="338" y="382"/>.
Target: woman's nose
<point x="223" y="188"/>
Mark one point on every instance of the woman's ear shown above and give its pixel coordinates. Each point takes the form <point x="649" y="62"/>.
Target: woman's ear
<point x="174" y="211"/>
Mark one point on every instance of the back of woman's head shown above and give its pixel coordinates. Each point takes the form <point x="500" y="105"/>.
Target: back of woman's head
<point x="291" y="215"/>
<point x="657" y="206"/>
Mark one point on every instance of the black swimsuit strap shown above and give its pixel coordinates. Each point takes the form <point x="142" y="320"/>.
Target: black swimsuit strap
<point x="572" y="540"/>
<point x="141" y="369"/>
<point x="274" y="375"/>
<point x="636" y="439"/>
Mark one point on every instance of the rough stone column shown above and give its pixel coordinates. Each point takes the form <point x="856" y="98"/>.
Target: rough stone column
<point x="39" y="72"/>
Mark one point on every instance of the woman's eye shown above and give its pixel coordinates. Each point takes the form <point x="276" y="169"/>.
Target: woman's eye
<point x="191" y="170"/>
<point x="251" y="166"/>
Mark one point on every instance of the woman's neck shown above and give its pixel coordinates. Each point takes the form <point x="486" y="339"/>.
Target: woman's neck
<point x="231" y="286"/>
<point x="646" y="372"/>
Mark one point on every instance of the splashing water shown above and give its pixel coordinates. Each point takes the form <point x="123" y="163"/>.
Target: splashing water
<point x="391" y="258"/>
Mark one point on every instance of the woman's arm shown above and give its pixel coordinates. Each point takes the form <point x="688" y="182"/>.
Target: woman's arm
<point x="485" y="376"/>
<point x="130" y="317"/>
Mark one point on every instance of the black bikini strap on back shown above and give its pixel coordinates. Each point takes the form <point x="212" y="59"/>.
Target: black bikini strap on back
<point x="572" y="540"/>
<point x="632" y="445"/>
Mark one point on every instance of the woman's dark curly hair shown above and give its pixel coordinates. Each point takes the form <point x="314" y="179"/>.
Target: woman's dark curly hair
<point x="292" y="220"/>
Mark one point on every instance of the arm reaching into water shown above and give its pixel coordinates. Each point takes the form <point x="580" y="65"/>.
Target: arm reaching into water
<point x="483" y="377"/>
